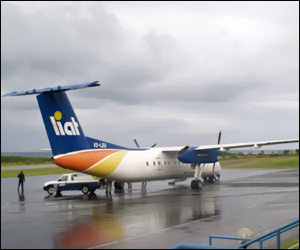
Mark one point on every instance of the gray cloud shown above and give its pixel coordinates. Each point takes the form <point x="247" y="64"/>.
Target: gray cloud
<point x="172" y="74"/>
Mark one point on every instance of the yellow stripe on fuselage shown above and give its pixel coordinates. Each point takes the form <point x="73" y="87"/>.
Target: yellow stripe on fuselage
<point x="106" y="167"/>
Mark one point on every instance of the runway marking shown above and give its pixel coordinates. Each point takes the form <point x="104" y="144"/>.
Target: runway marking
<point x="146" y="234"/>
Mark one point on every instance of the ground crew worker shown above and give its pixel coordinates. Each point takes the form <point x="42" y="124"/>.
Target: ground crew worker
<point x="108" y="186"/>
<point x="21" y="177"/>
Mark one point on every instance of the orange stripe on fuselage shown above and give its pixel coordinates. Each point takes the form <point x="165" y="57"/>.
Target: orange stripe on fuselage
<point x="82" y="160"/>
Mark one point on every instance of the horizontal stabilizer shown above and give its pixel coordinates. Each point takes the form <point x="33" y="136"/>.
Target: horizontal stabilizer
<point x="54" y="89"/>
<point x="46" y="149"/>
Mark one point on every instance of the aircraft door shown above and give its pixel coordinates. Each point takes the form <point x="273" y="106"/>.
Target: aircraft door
<point x="158" y="163"/>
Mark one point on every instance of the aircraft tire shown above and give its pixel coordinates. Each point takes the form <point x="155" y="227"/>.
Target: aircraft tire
<point x="211" y="179"/>
<point x="119" y="185"/>
<point x="85" y="189"/>
<point x="196" y="184"/>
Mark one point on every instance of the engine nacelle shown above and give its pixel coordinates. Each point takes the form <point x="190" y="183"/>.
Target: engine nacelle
<point x="190" y="155"/>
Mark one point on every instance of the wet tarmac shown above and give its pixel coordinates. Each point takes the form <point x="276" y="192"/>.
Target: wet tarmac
<point x="161" y="216"/>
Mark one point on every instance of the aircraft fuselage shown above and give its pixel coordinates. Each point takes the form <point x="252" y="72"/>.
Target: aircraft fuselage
<point x="131" y="165"/>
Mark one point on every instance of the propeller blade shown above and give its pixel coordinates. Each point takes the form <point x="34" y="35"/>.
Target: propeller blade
<point x="136" y="143"/>
<point x="153" y="145"/>
<point x="219" y="139"/>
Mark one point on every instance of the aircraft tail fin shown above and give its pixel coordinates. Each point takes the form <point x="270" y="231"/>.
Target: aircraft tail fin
<point x="63" y="129"/>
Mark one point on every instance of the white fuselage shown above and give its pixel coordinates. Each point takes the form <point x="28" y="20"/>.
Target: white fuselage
<point x="153" y="164"/>
<point x="126" y="165"/>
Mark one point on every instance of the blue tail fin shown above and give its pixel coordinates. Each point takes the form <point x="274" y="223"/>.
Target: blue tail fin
<point x="62" y="126"/>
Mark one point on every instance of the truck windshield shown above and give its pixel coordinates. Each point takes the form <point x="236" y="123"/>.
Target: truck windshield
<point x="63" y="178"/>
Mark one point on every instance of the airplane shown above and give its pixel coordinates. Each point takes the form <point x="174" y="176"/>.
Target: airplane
<point x="73" y="150"/>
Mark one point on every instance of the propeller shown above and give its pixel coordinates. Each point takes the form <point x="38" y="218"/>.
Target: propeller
<point x="219" y="139"/>
<point x="136" y="143"/>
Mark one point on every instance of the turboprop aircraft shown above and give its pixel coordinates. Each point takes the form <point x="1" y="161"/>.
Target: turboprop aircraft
<point x="73" y="150"/>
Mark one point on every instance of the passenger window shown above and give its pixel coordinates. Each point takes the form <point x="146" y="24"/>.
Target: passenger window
<point x="154" y="163"/>
<point x="165" y="163"/>
<point x="147" y="163"/>
<point x="159" y="163"/>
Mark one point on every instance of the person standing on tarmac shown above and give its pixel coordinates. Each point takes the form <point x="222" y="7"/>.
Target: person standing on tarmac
<point x="108" y="186"/>
<point x="21" y="177"/>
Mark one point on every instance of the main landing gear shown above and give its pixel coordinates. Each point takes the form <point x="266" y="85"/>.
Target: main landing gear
<point x="197" y="182"/>
<point x="119" y="185"/>
<point x="212" y="178"/>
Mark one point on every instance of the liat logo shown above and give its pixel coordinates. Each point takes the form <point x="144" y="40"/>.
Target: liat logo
<point x="69" y="128"/>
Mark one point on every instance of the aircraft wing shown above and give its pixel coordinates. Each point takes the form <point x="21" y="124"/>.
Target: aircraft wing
<point x="172" y="149"/>
<point x="226" y="147"/>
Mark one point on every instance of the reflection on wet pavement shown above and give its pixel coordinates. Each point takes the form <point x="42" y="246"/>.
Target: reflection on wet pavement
<point x="159" y="216"/>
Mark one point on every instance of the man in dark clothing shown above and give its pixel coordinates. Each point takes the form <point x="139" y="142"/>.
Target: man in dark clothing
<point x="21" y="177"/>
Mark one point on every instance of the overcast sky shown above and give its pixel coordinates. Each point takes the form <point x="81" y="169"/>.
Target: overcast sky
<point x="172" y="73"/>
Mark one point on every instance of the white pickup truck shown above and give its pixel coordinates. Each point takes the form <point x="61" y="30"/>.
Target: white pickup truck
<point x="66" y="182"/>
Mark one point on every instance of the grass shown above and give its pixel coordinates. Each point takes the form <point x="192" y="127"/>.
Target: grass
<point x="262" y="162"/>
<point x="34" y="172"/>
<point x="7" y="161"/>
<point x="290" y="244"/>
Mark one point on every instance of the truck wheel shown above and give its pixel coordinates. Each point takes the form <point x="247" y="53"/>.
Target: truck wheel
<point x="85" y="189"/>
<point x="50" y="190"/>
